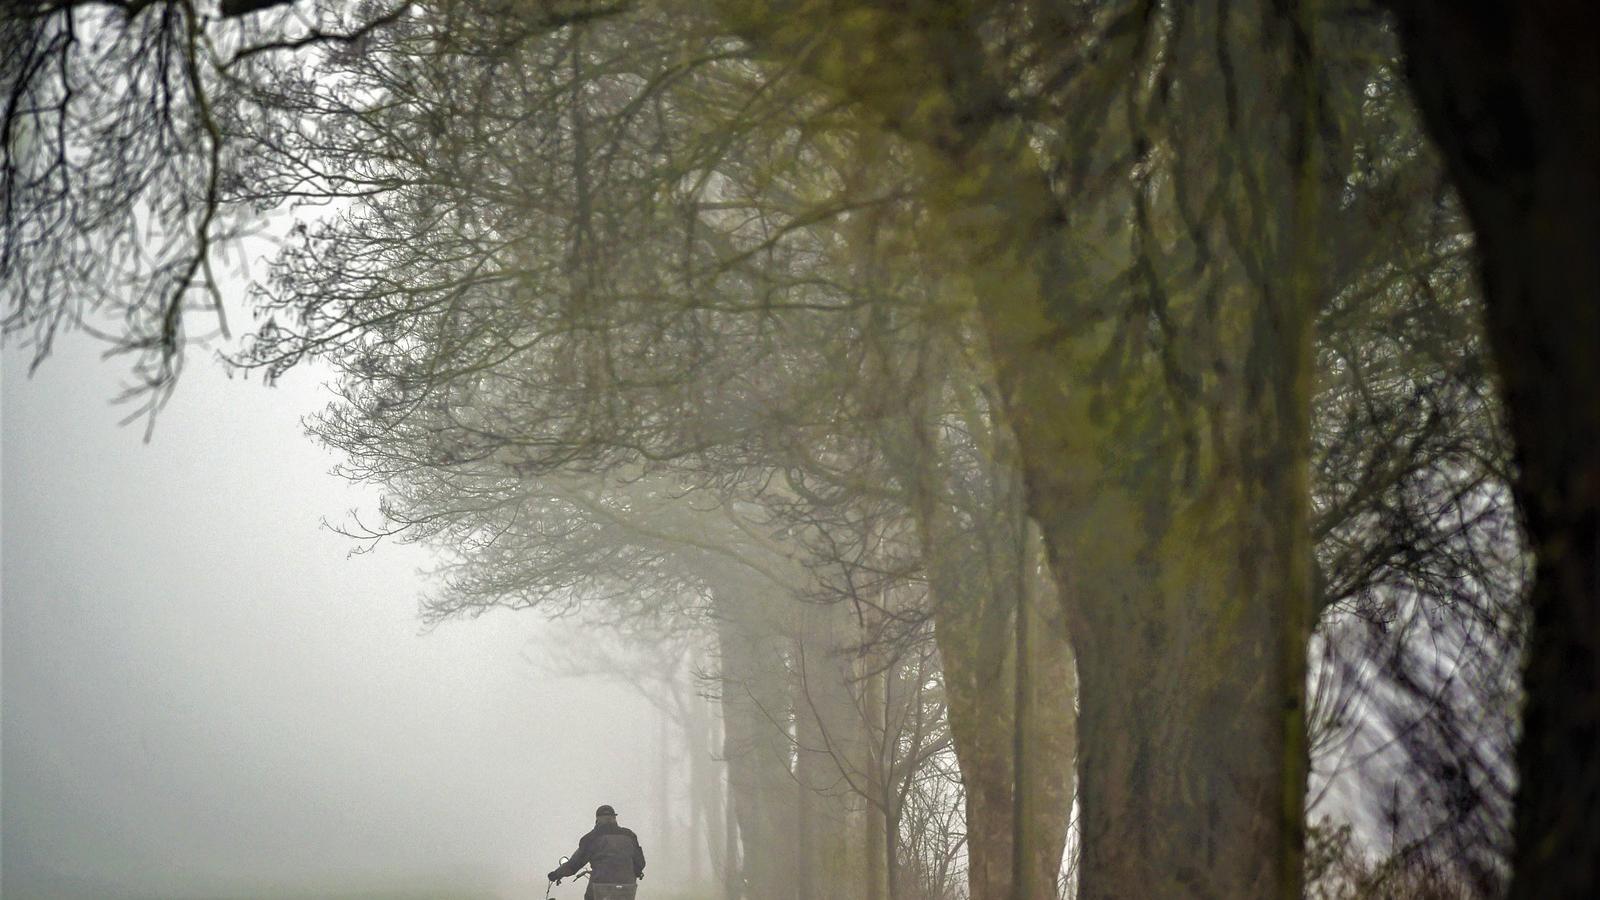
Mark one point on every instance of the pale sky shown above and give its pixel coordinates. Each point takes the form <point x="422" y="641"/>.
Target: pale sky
<point x="202" y="694"/>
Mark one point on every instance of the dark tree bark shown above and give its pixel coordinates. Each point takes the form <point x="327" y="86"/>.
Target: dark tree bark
<point x="233" y="8"/>
<point x="1511" y="94"/>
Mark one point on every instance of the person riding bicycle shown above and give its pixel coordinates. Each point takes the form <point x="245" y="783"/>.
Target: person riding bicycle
<point x="614" y="857"/>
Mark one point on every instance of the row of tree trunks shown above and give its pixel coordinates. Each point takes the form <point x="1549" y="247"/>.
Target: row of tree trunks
<point x="795" y="747"/>
<point x="978" y="578"/>
<point x="975" y="634"/>
<point x="1511" y="93"/>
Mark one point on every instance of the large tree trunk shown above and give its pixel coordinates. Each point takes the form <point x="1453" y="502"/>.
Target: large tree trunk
<point x="733" y="866"/>
<point x="1190" y="605"/>
<point x="1511" y="93"/>
<point x="1173" y="497"/>
<point x="1159" y="385"/>
<point x="879" y="839"/>
<point x="1174" y="501"/>
<point x="755" y="710"/>
<point x="705" y="789"/>
<point x="829" y="753"/>
<point x="1184" y="755"/>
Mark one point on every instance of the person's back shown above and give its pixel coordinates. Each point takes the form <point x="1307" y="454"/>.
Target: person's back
<point x="614" y="858"/>
<point x="614" y="853"/>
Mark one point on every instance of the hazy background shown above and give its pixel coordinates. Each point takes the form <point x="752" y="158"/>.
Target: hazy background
<point x="204" y="695"/>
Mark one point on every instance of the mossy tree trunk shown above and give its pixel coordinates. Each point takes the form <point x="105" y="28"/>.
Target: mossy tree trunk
<point x="1157" y="381"/>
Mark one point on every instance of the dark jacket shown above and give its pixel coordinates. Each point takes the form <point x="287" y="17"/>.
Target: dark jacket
<point x="612" y="853"/>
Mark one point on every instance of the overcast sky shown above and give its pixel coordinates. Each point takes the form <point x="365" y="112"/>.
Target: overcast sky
<point x="203" y="694"/>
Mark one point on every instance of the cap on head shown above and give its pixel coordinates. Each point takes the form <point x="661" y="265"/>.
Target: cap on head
<point x="605" y="810"/>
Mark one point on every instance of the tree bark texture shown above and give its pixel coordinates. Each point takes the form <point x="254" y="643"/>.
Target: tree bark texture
<point x="1173" y="493"/>
<point x="1511" y="94"/>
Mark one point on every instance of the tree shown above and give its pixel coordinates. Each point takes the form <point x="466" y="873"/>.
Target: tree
<point x="121" y="180"/>
<point x="1510" y="94"/>
<point x="1158" y="391"/>
<point x="440" y="384"/>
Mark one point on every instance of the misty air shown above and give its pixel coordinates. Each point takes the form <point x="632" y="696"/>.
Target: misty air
<point x="799" y="450"/>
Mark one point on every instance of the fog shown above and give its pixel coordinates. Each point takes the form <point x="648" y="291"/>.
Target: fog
<point x="205" y="694"/>
<point x="988" y="452"/>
